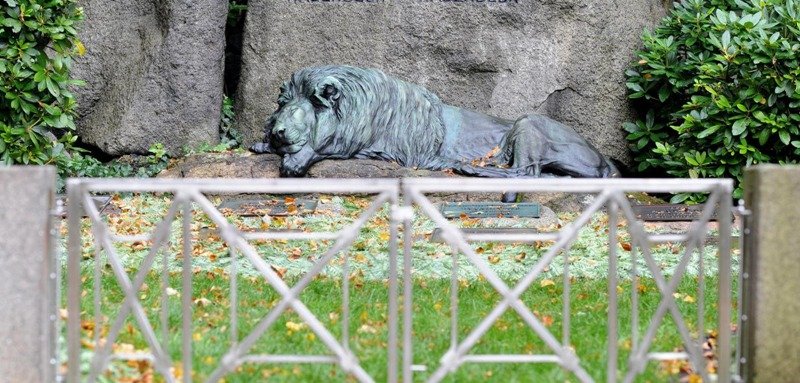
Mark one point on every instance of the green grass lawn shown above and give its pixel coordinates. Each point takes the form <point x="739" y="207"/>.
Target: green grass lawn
<point x="369" y="330"/>
<point x="212" y="334"/>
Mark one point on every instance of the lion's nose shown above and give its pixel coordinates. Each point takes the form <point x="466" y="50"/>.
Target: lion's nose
<point x="280" y="130"/>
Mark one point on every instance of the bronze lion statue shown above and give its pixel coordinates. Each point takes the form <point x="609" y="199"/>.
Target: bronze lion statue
<point x="341" y="112"/>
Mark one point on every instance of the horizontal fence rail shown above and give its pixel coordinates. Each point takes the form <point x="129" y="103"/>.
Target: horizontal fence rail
<point x="407" y="201"/>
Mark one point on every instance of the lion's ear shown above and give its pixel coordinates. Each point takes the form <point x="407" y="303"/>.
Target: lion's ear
<point x="328" y="92"/>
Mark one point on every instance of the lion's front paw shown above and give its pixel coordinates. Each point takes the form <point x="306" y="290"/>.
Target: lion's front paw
<point x="261" y="148"/>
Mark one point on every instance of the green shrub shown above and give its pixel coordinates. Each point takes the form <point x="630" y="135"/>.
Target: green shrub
<point x="718" y="81"/>
<point x="81" y="165"/>
<point x="37" y="42"/>
<point x="228" y="136"/>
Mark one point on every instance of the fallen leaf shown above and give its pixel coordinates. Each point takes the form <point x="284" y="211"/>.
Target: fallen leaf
<point x="203" y="302"/>
<point x="292" y="327"/>
<point x="493" y="259"/>
<point x="295" y="254"/>
<point x="547" y="282"/>
<point x="281" y="271"/>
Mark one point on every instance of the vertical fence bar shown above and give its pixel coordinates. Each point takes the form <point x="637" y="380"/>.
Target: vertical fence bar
<point x="97" y="291"/>
<point x="74" y="189"/>
<point x="186" y="294"/>
<point x="408" y="239"/>
<point x="59" y="278"/>
<point x="613" y="281"/>
<point x="346" y="302"/>
<point x="565" y="308"/>
<point x="701" y="293"/>
<point x="724" y="349"/>
<point x="392" y="363"/>
<point x="634" y="298"/>
<point x="234" y="296"/>
<point x="454" y="300"/>
<point x="164" y="298"/>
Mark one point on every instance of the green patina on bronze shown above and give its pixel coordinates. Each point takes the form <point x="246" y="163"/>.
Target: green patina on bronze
<point x="341" y="112"/>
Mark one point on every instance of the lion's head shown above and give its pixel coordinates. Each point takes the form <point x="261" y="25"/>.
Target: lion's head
<point x="345" y="112"/>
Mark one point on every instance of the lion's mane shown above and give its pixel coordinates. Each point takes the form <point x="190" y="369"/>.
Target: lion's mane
<point x="377" y="116"/>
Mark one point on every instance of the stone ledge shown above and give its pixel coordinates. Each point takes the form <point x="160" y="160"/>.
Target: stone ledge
<point x="248" y="165"/>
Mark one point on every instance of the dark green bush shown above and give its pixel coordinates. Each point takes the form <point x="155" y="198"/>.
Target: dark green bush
<point x="37" y="42"/>
<point x="81" y="165"/>
<point x="719" y="84"/>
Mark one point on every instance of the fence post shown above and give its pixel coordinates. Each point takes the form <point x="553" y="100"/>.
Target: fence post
<point x="27" y="275"/>
<point x="771" y="291"/>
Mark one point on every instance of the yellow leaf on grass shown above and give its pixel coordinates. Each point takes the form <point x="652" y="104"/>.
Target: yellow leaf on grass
<point x="688" y="299"/>
<point x="547" y="282"/>
<point x="292" y="327"/>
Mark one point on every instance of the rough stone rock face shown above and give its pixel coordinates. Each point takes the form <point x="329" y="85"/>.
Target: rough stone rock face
<point x="562" y="58"/>
<point x="154" y="73"/>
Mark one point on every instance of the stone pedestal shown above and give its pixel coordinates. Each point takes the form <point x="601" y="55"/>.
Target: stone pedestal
<point x="27" y="275"/>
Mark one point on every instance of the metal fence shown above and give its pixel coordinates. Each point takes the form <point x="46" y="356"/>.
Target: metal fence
<point x="609" y="195"/>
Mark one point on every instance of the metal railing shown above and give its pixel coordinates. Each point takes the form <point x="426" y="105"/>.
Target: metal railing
<point x="187" y="193"/>
<point x="610" y="195"/>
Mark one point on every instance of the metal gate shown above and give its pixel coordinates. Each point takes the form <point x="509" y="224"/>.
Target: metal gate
<point x="611" y="196"/>
<point x="189" y="193"/>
